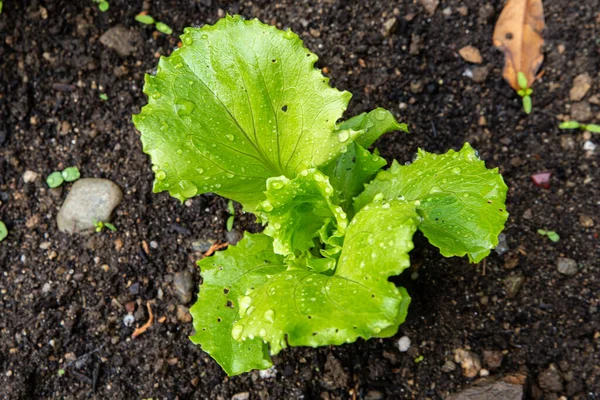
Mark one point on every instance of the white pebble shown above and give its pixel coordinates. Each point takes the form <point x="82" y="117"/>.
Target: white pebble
<point x="268" y="373"/>
<point x="589" y="146"/>
<point x="29" y="176"/>
<point x="154" y="245"/>
<point x="128" y="320"/>
<point x="404" y="344"/>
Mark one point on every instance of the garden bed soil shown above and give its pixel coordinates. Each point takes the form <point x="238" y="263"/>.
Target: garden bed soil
<point x="63" y="298"/>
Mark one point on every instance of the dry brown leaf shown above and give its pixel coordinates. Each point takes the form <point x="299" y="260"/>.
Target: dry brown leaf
<point x="518" y="35"/>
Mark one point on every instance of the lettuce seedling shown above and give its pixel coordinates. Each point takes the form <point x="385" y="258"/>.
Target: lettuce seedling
<point x="240" y="110"/>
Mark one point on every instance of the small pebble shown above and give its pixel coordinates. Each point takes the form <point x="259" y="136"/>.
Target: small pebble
<point x="268" y="373"/>
<point x="154" y="245"/>
<point x="586" y="221"/>
<point x="184" y="286"/>
<point x="241" y="396"/>
<point x="404" y="344"/>
<point x="589" y="146"/>
<point x="233" y="236"/>
<point x="469" y="362"/>
<point x="502" y="246"/>
<point x="128" y="320"/>
<point x="29" y="176"/>
<point x="566" y="266"/>
<point x="448" y="366"/>
<point x="389" y="27"/>
<point x="550" y="379"/>
<point x="183" y="314"/>
<point x="492" y="359"/>
<point x="89" y="200"/>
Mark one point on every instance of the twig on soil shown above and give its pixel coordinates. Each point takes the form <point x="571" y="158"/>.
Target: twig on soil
<point x="483" y="267"/>
<point x="214" y="248"/>
<point x="148" y="324"/>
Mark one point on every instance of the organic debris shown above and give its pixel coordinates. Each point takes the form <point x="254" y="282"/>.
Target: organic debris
<point x="518" y="35"/>
<point x="148" y="324"/>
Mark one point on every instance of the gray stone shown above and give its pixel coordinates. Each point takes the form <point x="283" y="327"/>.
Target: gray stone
<point x="241" y="396"/>
<point x="89" y="200"/>
<point x="489" y="390"/>
<point x="121" y="39"/>
<point x="566" y="266"/>
<point x="233" y="236"/>
<point x="184" y="285"/>
<point x="581" y="112"/>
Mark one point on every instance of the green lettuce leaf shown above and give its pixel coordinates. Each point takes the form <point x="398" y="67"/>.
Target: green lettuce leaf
<point x="372" y="125"/>
<point x="304" y="308"/>
<point x="300" y="210"/>
<point x="350" y="172"/>
<point x="238" y="103"/>
<point x="226" y="277"/>
<point x="462" y="203"/>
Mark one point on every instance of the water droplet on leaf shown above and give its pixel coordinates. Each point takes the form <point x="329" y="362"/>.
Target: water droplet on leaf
<point x="343" y="136"/>
<point x="184" y="107"/>
<point x="160" y="175"/>
<point x="269" y="316"/>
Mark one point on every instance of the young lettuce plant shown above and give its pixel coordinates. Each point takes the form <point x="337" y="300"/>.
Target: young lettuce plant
<point x="239" y="110"/>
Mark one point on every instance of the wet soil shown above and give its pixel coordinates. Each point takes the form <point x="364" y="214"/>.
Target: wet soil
<point x="63" y="298"/>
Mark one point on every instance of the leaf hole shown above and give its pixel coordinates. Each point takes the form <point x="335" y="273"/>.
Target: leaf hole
<point x="219" y="319"/>
<point x="229" y="304"/>
<point x="315" y="333"/>
<point x="284" y="108"/>
<point x="273" y="60"/>
<point x="309" y="317"/>
<point x="225" y="290"/>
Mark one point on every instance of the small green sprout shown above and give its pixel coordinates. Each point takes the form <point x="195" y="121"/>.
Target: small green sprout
<point x="594" y="128"/>
<point x="231" y="217"/>
<point x="55" y="179"/>
<point x="419" y="359"/>
<point x="71" y="174"/>
<point x="102" y="5"/>
<point x="525" y="92"/>
<point x="100" y="225"/>
<point x="164" y="28"/>
<point x="146" y="19"/>
<point x="553" y="236"/>
<point x="3" y="231"/>
<point x="61" y="372"/>
<point x="103" y="96"/>
<point x="0" y="7"/>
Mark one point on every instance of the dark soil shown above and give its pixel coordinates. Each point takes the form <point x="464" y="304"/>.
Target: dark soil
<point x="53" y="69"/>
